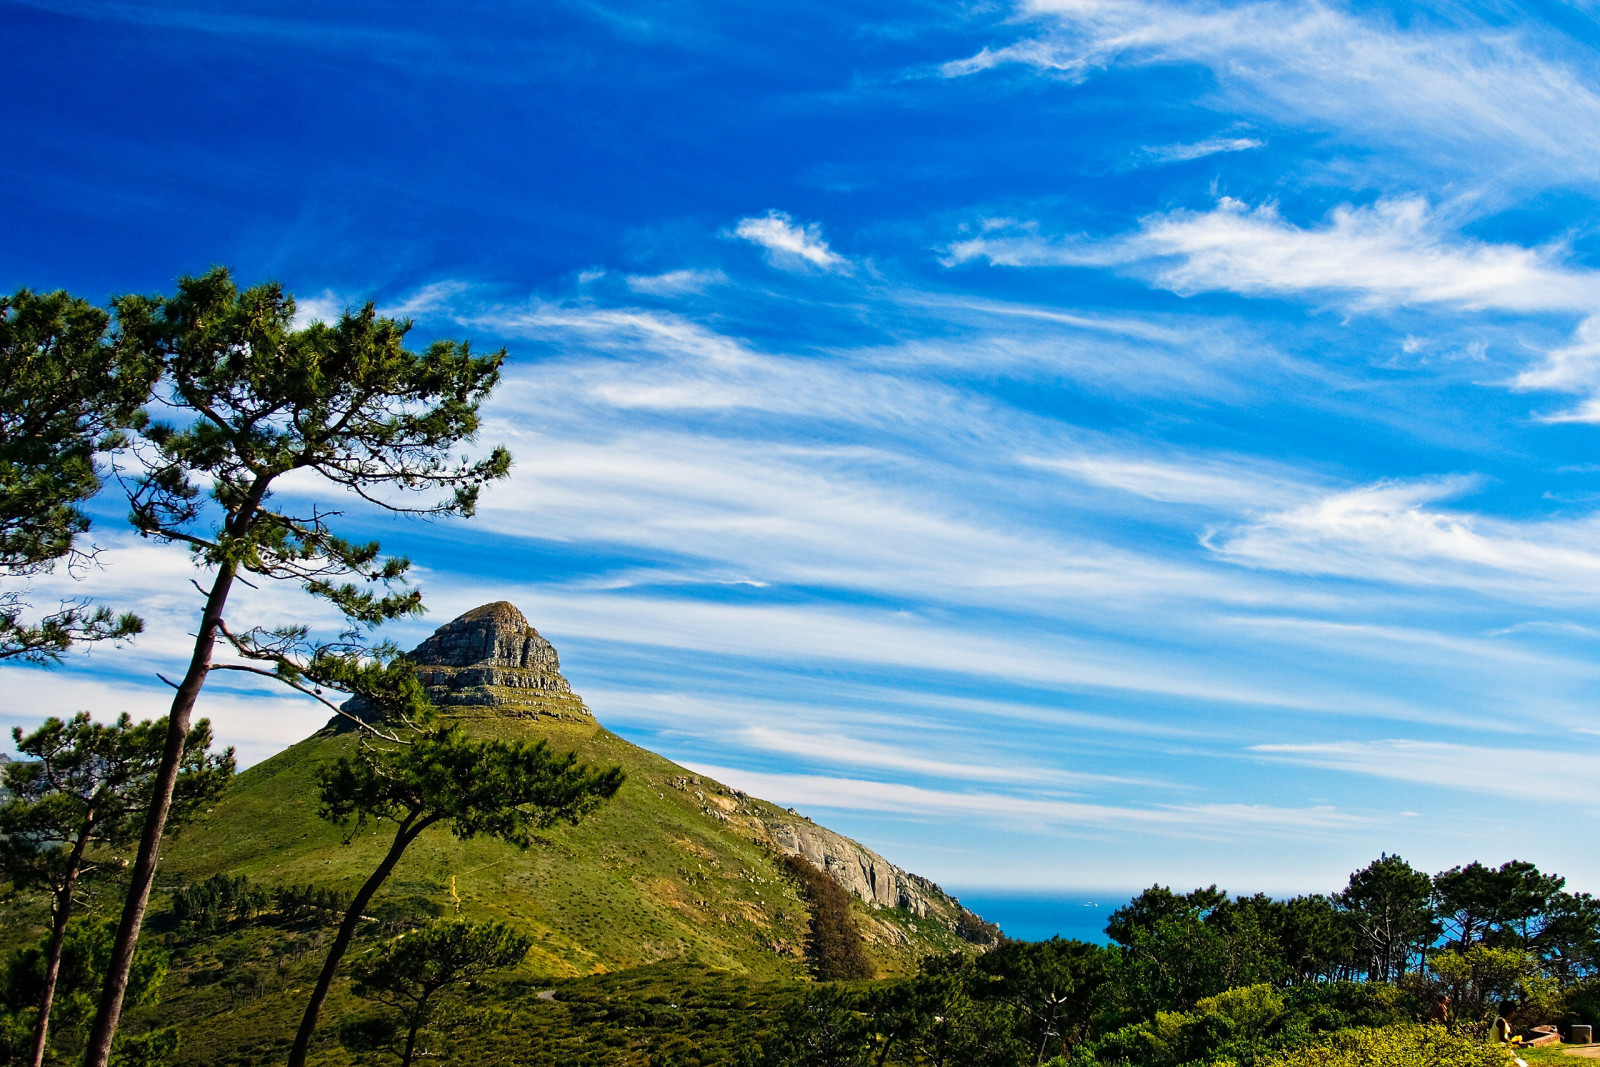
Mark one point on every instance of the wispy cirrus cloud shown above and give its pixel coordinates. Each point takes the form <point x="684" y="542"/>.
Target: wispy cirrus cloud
<point x="1208" y="820"/>
<point x="1503" y="103"/>
<point x="790" y="244"/>
<point x="1391" y="252"/>
<point x="1524" y="773"/>
<point x="1396" y="532"/>
<point x="1571" y="368"/>
<point x="675" y="282"/>
<point x="1211" y="146"/>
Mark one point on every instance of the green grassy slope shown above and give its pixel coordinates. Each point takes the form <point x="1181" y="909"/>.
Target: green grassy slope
<point x="658" y="873"/>
<point x="666" y="913"/>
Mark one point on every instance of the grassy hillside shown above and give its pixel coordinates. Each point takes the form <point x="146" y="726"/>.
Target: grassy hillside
<point x="649" y="877"/>
<point x="672" y="867"/>
<point x="677" y="876"/>
<point x="658" y="874"/>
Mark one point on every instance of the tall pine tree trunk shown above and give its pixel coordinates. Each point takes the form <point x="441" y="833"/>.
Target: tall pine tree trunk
<point x="109" y="1011"/>
<point x="347" y="929"/>
<point x="411" y="1043"/>
<point x="58" y="936"/>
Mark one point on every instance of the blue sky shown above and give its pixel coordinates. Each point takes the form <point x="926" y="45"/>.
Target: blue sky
<point x="1063" y="444"/>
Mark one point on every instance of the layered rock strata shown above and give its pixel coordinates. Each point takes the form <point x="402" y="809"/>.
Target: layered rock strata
<point x="492" y="657"/>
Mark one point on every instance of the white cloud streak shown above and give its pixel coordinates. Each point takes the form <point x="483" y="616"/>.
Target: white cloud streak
<point x="1564" y="777"/>
<point x="1184" y="153"/>
<point x="790" y="245"/>
<point x="1504" y="105"/>
<point x="1392" y="252"/>
<point x="1391" y="532"/>
<point x="853" y="794"/>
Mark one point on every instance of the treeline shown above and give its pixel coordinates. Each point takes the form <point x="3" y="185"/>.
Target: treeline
<point x="1398" y="960"/>
<point x="212" y="905"/>
<point x="1390" y="919"/>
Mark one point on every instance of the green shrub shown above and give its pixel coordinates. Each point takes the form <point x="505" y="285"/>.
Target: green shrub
<point x="1411" y="1045"/>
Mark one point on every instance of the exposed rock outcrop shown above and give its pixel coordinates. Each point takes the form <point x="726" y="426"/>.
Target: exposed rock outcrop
<point x="861" y="871"/>
<point x="492" y="657"/>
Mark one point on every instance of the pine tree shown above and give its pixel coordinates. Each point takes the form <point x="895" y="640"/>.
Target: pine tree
<point x="500" y="789"/>
<point x="76" y="800"/>
<point x="409" y="973"/>
<point x="67" y="392"/>
<point x="346" y="403"/>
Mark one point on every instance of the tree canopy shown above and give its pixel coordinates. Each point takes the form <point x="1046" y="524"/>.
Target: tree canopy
<point x="67" y="391"/>
<point x="76" y="802"/>
<point x="501" y="789"/>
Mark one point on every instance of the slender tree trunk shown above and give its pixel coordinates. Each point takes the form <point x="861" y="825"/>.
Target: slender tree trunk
<point x="347" y="929"/>
<point x="58" y="935"/>
<point x="411" y="1044"/>
<point x="888" y="1043"/>
<point x="143" y="875"/>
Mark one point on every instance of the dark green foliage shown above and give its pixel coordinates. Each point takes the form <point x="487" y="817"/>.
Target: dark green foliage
<point x="494" y="788"/>
<point x="824" y="1028"/>
<point x="65" y="393"/>
<point x="347" y="401"/>
<point x="257" y="400"/>
<point x="310" y="903"/>
<point x="221" y="902"/>
<point x="76" y="804"/>
<point x="973" y="930"/>
<point x="1019" y="1004"/>
<point x="834" y="943"/>
<point x="83" y="787"/>
<point x="409" y="974"/>
<point x="84" y="950"/>
<point x="211" y="905"/>
<point x="1053" y="988"/>
<point x="1389" y="903"/>
<point x="502" y="789"/>
<point x="1177" y="950"/>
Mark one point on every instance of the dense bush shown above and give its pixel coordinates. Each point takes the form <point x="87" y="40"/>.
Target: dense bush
<point x="85" y="951"/>
<point x="1395" y="1046"/>
<point x="834" y="944"/>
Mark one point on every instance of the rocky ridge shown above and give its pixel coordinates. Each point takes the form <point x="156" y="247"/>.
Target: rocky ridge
<point x="492" y="658"/>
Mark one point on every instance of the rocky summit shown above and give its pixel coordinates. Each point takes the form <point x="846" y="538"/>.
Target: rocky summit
<point x="492" y="657"/>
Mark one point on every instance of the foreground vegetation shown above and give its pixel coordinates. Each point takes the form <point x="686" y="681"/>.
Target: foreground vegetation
<point x="1199" y="979"/>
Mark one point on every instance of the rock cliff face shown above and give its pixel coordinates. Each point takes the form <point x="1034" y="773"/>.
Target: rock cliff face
<point x="491" y="657"/>
<point x="861" y="871"/>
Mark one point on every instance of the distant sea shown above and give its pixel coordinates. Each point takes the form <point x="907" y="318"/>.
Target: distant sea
<point x="1041" y="916"/>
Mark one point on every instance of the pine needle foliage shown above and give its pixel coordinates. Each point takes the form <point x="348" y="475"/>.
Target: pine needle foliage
<point x="76" y="802"/>
<point x="501" y="789"/>
<point x="66" y="394"/>
<point x="246" y="400"/>
<point x="409" y="973"/>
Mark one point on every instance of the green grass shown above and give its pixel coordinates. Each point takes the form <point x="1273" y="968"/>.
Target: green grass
<point x="680" y="1012"/>
<point x="653" y="875"/>
<point x="1550" y="1055"/>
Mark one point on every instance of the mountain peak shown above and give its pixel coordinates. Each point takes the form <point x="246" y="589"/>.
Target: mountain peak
<point x="490" y="656"/>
